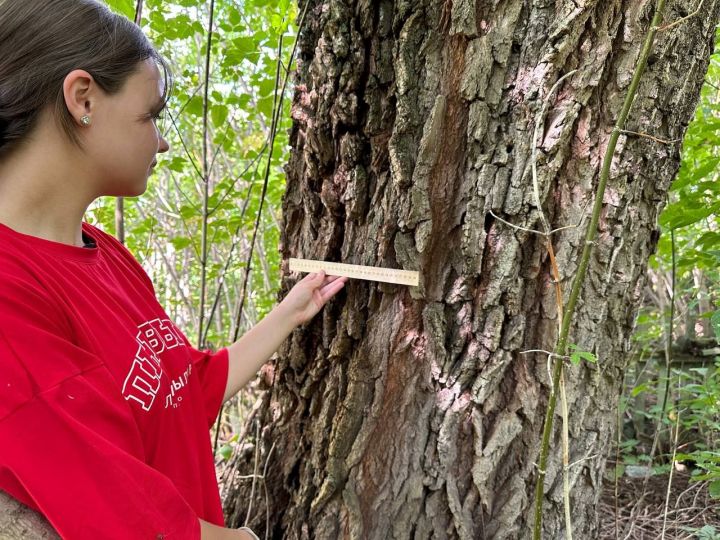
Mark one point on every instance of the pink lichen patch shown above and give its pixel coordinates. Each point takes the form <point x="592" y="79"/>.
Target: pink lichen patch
<point x="582" y="143"/>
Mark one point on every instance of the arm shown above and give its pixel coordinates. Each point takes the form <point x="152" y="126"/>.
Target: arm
<point x="302" y="303"/>
<point x="208" y="531"/>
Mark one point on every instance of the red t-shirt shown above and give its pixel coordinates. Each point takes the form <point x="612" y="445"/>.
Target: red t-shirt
<point x="104" y="405"/>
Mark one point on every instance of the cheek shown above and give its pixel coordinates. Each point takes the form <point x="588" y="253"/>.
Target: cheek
<point x="151" y="138"/>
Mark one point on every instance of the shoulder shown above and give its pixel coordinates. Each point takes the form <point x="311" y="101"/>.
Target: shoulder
<point x="119" y="255"/>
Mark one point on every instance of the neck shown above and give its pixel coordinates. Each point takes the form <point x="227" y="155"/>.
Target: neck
<point x="42" y="195"/>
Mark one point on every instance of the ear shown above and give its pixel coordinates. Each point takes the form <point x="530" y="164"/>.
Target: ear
<point x="80" y="92"/>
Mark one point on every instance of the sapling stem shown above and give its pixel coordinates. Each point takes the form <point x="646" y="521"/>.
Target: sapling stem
<point x="585" y="261"/>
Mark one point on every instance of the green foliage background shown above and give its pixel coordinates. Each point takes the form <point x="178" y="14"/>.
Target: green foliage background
<point x="693" y="389"/>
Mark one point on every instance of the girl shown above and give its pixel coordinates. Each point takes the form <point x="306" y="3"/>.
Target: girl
<point x="104" y="405"/>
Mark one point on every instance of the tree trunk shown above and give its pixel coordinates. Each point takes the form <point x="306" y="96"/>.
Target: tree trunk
<point x="411" y="412"/>
<point x="18" y="522"/>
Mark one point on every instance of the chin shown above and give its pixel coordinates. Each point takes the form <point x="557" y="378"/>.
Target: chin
<point x="127" y="191"/>
<point x="136" y="193"/>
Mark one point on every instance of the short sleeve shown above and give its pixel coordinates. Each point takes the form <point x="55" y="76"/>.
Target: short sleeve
<point x="212" y="369"/>
<point x="69" y="444"/>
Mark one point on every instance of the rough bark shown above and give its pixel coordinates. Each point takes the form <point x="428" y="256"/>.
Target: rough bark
<point x="410" y="413"/>
<point x="18" y="522"/>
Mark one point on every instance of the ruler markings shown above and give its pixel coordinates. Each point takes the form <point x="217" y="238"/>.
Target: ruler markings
<point x="373" y="273"/>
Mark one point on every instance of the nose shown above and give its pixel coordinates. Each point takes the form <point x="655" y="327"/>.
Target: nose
<point x="163" y="146"/>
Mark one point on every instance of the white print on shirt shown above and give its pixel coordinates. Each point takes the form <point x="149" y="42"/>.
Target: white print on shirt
<point x="177" y="385"/>
<point x="143" y="380"/>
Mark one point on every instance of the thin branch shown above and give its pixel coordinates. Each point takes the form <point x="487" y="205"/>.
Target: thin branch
<point x="185" y="196"/>
<point x="189" y="99"/>
<point x="267" y="497"/>
<point x="185" y="148"/>
<point x="668" y="359"/>
<point x="170" y="268"/>
<point x="228" y="260"/>
<point x="231" y="189"/>
<point x="670" y="475"/>
<point x="585" y="261"/>
<point x="277" y="112"/>
<point x="680" y="21"/>
<point x="566" y="459"/>
<point x="255" y="473"/>
<point x="518" y="227"/>
<point x="646" y="136"/>
<point x="120" y="201"/>
<point x="206" y="181"/>
<point x="541" y="233"/>
<point x="539" y="121"/>
<point x="550" y="354"/>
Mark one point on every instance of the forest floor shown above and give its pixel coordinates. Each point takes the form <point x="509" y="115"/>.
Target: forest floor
<point x="641" y="512"/>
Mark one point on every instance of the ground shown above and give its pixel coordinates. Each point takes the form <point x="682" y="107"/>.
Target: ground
<point x="640" y="509"/>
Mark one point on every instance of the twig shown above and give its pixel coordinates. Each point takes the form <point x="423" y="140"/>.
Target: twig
<point x="533" y="159"/>
<point x="565" y="458"/>
<point x="618" y="428"/>
<point x="680" y="21"/>
<point x="255" y="472"/>
<point x="277" y="113"/>
<point x="542" y="233"/>
<point x="579" y="461"/>
<point x="550" y="354"/>
<point x="206" y="181"/>
<point x="539" y="121"/>
<point x="670" y="475"/>
<point x="267" y="497"/>
<point x="646" y="136"/>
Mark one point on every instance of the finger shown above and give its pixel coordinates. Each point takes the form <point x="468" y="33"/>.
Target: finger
<point x="315" y="276"/>
<point x="331" y="290"/>
<point x="330" y="280"/>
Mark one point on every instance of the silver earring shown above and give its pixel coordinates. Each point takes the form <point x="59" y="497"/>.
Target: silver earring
<point x="85" y="120"/>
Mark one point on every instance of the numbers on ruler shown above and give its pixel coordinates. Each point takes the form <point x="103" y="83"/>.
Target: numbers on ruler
<point x="368" y="272"/>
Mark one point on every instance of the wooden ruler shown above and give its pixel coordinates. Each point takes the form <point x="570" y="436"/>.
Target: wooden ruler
<point x="371" y="273"/>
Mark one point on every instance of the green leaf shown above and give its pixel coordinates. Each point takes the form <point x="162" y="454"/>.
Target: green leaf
<point x="195" y="106"/>
<point x="226" y="451"/>
<point x="682" y="217"/>
<point x="715" y="321"/>
<point x="219" y="113"/>
<point x="124" y="7"/>
<point x="714" y="489"/>
<point x="177" y="164"/>
<point x="180" y="242"/>
<point x="577" y="356"/>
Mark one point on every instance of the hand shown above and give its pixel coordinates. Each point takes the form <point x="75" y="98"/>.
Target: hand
<point x="247" y="534"/>
<point x="309" y="295"/>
